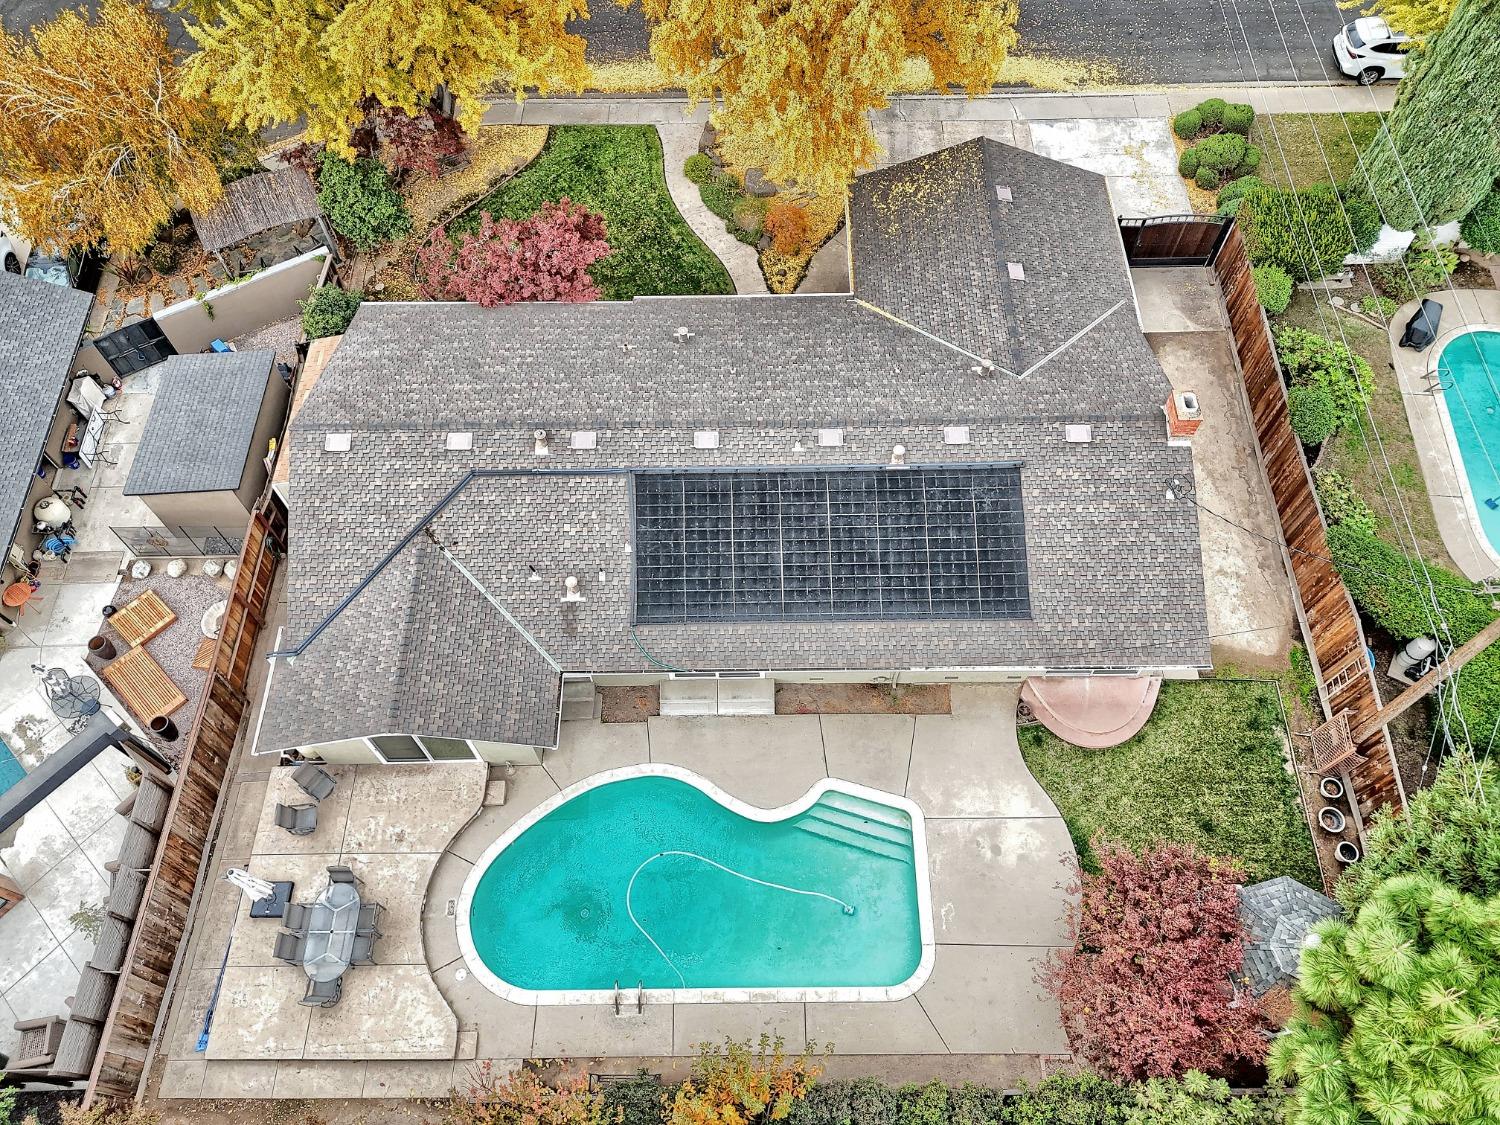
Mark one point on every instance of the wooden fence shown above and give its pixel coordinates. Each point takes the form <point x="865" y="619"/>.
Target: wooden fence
<point x="1346" y="681"/>
<point x="163" y="918"/>
<point x="1173" y="240"/>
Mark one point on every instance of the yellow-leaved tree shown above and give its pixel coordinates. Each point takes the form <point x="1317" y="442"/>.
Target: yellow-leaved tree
<point x="269" y="62"/>
<point x="1418" y="18"/>
<point x="98" y="140"/>
<point x="796" y="79"/>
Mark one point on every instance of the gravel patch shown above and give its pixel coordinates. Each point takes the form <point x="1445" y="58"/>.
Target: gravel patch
<point x="280" y="338"/>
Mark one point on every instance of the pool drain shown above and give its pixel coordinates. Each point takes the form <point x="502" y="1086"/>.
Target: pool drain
<point x="848" y="908"/>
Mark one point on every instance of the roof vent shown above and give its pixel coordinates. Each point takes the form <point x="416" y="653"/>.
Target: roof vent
<point x="831" y="438"/>
<point x="583" y="439"/>
<point x="898" y="455"/>
<point x="540" y="448"/>
<point x="1003" y="193"/>
<point x="459" y="440"/>
<point x="1079" y="433"/>
<point x="571" y="591"/>
<point x="955" y="435"/>
<point x="337" y="443"/>
<point x="1016" y="270"/>
<point x="682" y="335"/>
<point x="705" y="439"/>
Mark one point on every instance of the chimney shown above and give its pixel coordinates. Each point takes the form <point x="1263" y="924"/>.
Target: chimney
<point x="1184" y="416"/>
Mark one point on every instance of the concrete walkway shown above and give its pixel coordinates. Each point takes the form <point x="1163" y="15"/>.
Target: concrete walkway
<point x="1427" y="405"/>
<point x="1140" y="101"/>
<point x="678" y="142"/>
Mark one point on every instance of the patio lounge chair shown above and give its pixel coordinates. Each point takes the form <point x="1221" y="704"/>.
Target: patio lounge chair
<point x="364" y="950"/>
<point x="75" y="1054"/>
<point x="150" y="808"/>
<point x="323" y="993"/>
<point x="294" y="917"/>
<point x="369" y="919"/>
<point x="91" y="1000"/>
<point x="288" y="948"/>
<point x="342" y="875"/>
<point x="126" y="891"/>
<point x="299" y="820"/>
<point x="311" y="780"/>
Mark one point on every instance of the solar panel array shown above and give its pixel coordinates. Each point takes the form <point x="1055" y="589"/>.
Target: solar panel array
<point x="830" y="544"/>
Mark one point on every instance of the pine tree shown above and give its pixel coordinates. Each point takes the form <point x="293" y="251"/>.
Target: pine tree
<point x="97" y="138"/>
<point x="796" y="79"/>
<point x="1438" y="153"/>
<point x="1399" y="1012"/>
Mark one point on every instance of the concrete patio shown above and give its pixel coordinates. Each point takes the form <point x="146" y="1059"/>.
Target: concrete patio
<point x="1437" y="452"/>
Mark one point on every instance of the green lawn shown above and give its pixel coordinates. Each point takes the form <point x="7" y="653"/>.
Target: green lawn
<point x="615" y="170"/>
<point x="1206" y="770"/>
<point x="1300" y="135"/>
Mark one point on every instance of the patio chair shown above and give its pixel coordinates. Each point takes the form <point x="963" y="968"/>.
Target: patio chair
<point x="342" y="875"/>
<point x="323" y="993"/>
<point x="294" y="917"/>
<point x="364" y="950"/>
<point x="311" y="780"/>
<point x="299" y="820"/>
<point x="288" y="948"/>
<point x="37" y="1049"/>
<point x="369" y="919"/>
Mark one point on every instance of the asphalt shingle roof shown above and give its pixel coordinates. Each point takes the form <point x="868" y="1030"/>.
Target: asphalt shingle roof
<point x="39" y="334"/>
<point x="1114" y="569"/>
<point x="197" y="438"/>
<point x="1277" y="914"/>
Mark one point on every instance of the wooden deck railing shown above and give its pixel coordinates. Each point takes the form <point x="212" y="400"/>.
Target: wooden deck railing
<point x="1346" y="682"/>
<point x="163" y="918"/>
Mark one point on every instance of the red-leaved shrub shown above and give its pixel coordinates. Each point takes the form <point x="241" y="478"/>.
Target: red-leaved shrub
<point x="1150" y="988"/>
<point x="545" y="257"/>
<point x="417" y="143"/>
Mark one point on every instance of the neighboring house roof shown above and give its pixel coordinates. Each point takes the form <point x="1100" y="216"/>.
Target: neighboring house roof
<point x="1113" y="569"/>
<point x="39" y="336"/>
<point x="319" y="352"/>
<point x="197" y="437"/>
<point x="256" y="203"/>
<point x="1277" y="915"/>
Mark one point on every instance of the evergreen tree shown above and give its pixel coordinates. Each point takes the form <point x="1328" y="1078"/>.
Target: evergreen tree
<point x="1438" y="153"/>
<point x="1399" y="1012"/>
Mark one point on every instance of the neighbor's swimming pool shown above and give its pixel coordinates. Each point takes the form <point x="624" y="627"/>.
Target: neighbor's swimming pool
<point x="660" y="879"/>
<point x="1469" y="368"/>
<point x="11" y="771"/>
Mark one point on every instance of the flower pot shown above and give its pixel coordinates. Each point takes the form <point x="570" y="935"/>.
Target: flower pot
<point x="102" y="647"/>
<point x="1347" y="852"/>
<point x="1331" y="788"/>
<point x="164" y="728"/>
<point x="1331" y="819"/>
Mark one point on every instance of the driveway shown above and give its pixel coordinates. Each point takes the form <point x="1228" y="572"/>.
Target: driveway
<point x="1167" y="41"/>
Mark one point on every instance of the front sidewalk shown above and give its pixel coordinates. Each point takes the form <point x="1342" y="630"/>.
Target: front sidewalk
<point x="1024" y="106"/>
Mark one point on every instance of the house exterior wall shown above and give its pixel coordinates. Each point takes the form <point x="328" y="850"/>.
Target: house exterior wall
<point x="199" y="509"/>
<point x="359" y="752"/>
<point x="243" y="306"/>
<point x="268" y="425"/>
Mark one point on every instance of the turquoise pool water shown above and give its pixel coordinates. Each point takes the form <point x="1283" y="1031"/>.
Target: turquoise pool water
<point x="1469" y="367"/>
<point x="10" y="769"/>
<point x="551" y="912"/>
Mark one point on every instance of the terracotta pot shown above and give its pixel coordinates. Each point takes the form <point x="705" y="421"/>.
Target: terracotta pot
<point x="102" y="647"/>
<point x="164" y="728"/>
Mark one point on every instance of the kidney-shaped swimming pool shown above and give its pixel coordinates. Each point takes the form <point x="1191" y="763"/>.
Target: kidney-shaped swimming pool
<point x="652" y="876"/>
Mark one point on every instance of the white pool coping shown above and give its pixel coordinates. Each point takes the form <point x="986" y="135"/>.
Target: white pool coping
<point x="901" y="991"/>
<point x="1450" y="435"/>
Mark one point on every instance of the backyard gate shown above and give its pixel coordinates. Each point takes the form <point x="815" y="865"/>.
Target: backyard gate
<point x="1173" y="240"/>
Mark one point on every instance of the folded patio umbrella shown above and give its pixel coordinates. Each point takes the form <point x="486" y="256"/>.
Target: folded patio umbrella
<point x="253" y="886"/>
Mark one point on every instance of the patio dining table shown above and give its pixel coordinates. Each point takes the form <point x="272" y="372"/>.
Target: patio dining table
<point x="331" y="924"/>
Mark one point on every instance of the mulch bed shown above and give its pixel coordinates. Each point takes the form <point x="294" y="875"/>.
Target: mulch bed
<point x="629" y="704"/>
<point x="862" y="699"/>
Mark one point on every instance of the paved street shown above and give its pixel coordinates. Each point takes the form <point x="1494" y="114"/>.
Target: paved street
<point x="1156" y="42"/>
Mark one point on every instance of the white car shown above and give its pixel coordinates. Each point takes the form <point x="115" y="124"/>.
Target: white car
<point x="14" y="251"/>
<point x="1369" y="50"/>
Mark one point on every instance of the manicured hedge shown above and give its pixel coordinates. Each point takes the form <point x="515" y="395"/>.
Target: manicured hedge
<point x="328" y="311"/>
<point x="1316" y="361"/>
<point x="1304" y="232"/>
<point x="1313" y="414"/>
<point x="361" y="201"/>
<point x="1481" y="228"/>
<point x="1273" y="285"/>
<point x="1397" y="591"/>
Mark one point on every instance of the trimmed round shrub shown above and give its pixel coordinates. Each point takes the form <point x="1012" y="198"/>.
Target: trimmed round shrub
<point x="328" y="311"/>
<point x="1250" y="162"/>
<point x="1312" y="414"/>
<point x="1236" y="188"/>
<point x="1222" y="152"/>
<point x="1377" y="306"/>
<point x="1341" y="504"/>
<point x="747" y="219"/>
<point x="1187" y="124"/>
<point x="1212" y="112"/>
<point x="1364" y="221"/>
<point x="1207" y="178"/>
<point x="698" y="167"/>
<point x="1238" y="117"/>
<point x="361" y="201"/>
<point x="1481" y="227"/>
<point x="1273" y="285"/>
<point x="1231" y="208"/>
<point x="1187" y="163"/>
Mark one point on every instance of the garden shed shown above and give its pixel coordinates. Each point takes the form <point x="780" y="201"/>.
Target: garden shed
<point x="202" y="460"/>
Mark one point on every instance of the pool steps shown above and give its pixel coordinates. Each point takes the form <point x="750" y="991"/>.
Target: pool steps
<point x="867" y="826"/>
